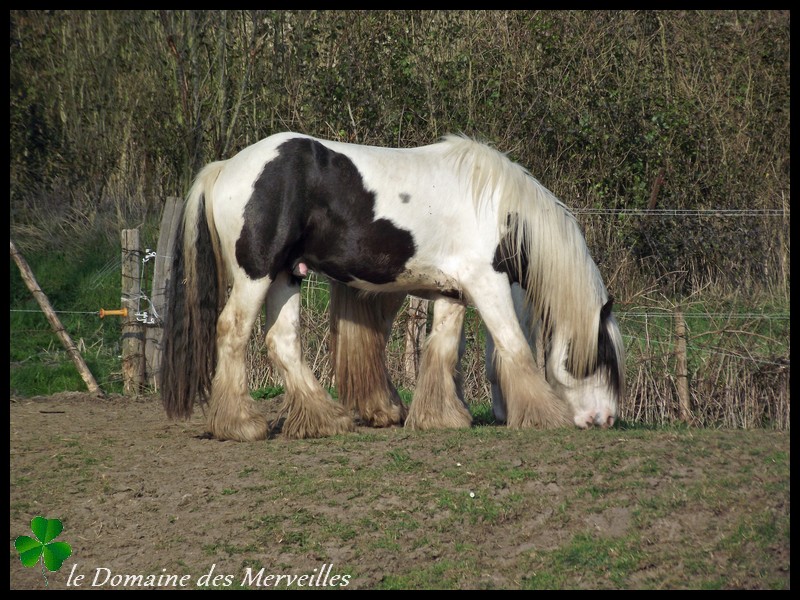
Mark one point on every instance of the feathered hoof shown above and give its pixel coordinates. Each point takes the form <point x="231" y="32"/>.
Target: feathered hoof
<point x="251" y="428"/>
<point x="455" y="418"/>
<point x="325" y="420"/>
<point x="395" y="415"/>
<point x="548" y="417"/>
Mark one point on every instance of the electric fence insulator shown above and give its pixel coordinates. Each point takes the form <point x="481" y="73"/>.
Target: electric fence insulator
<point x="114" y="312"/>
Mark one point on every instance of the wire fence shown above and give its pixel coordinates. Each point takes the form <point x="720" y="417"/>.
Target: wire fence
<point x="683" y="212"/>
<point x="738" y="360"/>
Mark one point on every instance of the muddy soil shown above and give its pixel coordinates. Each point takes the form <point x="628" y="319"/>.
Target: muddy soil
<point x="146" y="502"/>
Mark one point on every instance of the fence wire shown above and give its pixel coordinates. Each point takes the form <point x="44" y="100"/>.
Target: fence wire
<point x="739" y="361"/>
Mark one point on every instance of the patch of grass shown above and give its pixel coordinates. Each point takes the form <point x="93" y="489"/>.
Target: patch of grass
<point x="395" y="524"/>
<point x="247" y="471"/>
<point x="340" y="531"/>
<point x="712" y="584"/>
<point x="476" y="506"/>
<point x="442" y="574"/>
<point x="266" y="393"/>
<point x="603" y="561"/>
<point x="660" y="506"/>
<point x="651" y="467"/>
<point x="482" y="414"/>
<point x="595" y="491"/>
<point x="544" y="579"/>
<point x="386" y="542"/>
<point x="519" y="474"/>
<point x="761" y="530"/>
<point x="780" y="458"/>
<point x="457" y="475"/>
<point x="316" y="296"/>
<point x="406" y="395"/>
<point x="300" y="539"/>
<point x="400" y="460"/>
<point x="56" y="373"/>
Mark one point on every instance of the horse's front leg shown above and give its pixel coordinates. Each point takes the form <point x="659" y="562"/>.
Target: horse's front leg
<point x="530" y="401"/>
<point x="311" y="411"/>
<point x="439" y="397"/>
<point x="534" y="337"/>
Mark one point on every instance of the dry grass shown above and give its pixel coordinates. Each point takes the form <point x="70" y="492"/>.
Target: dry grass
<point x="738" y="368"/>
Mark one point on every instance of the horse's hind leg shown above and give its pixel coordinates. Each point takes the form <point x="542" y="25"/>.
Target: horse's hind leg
<point x="360" y="328"/>
<point x="311" y="411"/>
<point x="529" y="399"/>
<point x="439" y="398"/>
<point x="231" y="413"/>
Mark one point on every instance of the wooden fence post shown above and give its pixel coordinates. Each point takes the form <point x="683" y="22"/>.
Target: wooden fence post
<point x="681" y="369"/>
<point x="132" y="330"/>
<point x="170" y="219"/>
<point x="55" y="322"/>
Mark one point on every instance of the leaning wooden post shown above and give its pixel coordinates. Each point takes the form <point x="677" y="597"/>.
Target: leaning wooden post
<point x="681" y="370"/>
<point x="55" y="322"/>
<point x="132" y="330"/>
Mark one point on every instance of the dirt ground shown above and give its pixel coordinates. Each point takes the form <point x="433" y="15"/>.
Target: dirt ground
<point x="146" y="502"/>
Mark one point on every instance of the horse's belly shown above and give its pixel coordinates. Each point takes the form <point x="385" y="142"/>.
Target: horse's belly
<point x="426" y="282"/>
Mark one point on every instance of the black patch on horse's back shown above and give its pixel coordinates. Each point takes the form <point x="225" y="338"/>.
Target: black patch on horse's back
<point x="310" y="203"/>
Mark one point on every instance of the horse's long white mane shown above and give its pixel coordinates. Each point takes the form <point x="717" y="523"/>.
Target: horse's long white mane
<point x="564" y="288"/>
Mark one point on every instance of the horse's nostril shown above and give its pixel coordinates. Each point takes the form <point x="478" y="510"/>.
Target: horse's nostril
<point x="609" y="422"/>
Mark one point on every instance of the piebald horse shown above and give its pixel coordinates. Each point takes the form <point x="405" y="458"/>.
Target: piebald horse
<point x="456" y="221"/>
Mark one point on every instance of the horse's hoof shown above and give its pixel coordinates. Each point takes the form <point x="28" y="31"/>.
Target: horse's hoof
<point x="251" y="430"/>
<point x="395" y="415"/>
<point x="305" y="424"/>
<point x="453" y="419"/>
<point x="539" y="420"/>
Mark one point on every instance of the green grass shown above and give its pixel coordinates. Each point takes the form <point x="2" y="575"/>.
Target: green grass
<point x="745" y="332"/>
<point x="316" y="295"/>
<point x="267" y="392"/>
<point x="78" y="282"/>
<point x="443" y="574"/>
<point x="606" y="561"/>
<point x="400" y="460"/>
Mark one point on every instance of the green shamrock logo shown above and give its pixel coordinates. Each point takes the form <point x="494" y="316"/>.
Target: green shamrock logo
<point x="52" y="554"/>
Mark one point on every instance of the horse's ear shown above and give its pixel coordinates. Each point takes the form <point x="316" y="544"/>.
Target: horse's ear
<point x="605" y="312"/>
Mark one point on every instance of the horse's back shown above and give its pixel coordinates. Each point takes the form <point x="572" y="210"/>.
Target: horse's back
<point x="359" y="214"/>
